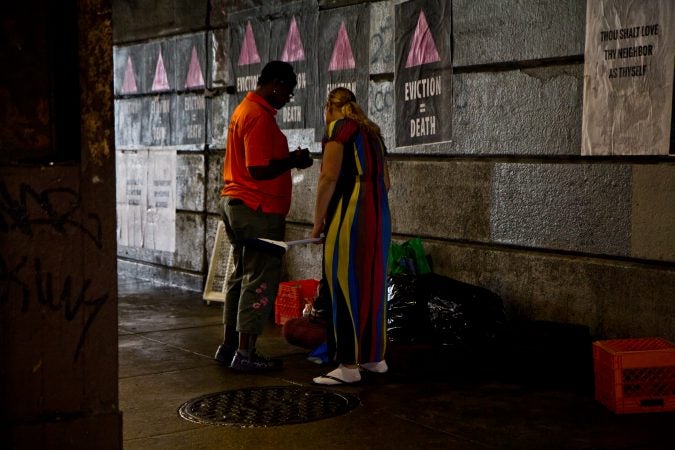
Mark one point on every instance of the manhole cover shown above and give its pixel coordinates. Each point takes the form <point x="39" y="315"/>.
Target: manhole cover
<point x="267" y="406"/>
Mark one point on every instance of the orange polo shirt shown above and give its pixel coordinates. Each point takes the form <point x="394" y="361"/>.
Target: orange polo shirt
<point x="253" y="139"/>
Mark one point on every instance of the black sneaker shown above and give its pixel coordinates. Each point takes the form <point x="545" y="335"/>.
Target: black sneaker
<point x="224" y="354"/>
<point x="254" y="363"/>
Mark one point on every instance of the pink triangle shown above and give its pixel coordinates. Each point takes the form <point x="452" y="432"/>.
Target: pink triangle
<point x="342" y="57"/>
<point x="249" y="51"/>
<point x="423" y="48"/>
<point x="161" y="81"/>
<point x="194" y="76"/>
<point x="293" y="50"/>
<point x="129" y="84"/>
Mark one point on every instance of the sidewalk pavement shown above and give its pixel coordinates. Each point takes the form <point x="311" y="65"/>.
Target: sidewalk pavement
<point x="167" y="338"/>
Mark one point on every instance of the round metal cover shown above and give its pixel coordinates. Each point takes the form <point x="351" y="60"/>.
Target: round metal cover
<point x="267" y="406"/>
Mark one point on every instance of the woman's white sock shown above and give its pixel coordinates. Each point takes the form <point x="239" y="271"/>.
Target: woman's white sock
<point x="377" y="367"/>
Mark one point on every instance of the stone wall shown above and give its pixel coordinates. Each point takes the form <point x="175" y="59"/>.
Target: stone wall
<point x="509" y="204"/>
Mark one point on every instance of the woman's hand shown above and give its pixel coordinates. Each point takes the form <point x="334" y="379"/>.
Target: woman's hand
<point x="317" y="232"/>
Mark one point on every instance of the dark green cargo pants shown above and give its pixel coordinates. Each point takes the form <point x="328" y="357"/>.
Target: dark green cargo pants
<point x="252" y="286"/>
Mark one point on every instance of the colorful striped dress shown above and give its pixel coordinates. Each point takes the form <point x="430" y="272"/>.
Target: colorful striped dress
<point x="358" y="232"/>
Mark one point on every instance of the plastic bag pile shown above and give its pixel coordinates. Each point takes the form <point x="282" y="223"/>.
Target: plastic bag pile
<point x="437" y="310"/>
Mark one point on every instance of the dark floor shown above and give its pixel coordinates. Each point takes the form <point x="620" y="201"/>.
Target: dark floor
<point x="167" y="338"/>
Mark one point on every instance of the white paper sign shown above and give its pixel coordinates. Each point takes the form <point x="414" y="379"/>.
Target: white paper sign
<point x="131" y="197"/>
<point x="160" y="230"/>
<point x="146" y="199"/>
<point x="628" y="77"/>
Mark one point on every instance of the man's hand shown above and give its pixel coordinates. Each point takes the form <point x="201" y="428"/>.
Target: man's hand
<point x="301" y="158"/>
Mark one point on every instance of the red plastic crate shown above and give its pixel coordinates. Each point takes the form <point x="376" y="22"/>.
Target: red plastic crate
<point x="292" y="297"/>
<point x="635" y="375"/>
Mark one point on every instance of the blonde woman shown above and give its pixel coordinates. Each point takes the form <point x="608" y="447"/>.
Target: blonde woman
<point x="352" y="211"/>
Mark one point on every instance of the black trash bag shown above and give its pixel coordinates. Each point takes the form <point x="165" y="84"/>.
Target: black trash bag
<point x="461" y="314"/>
<point x="407" y="318"/>
<point x="448" y="323"/>
<point x="435" y="309"/>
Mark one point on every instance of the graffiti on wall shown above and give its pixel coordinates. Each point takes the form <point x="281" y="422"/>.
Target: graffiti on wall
<point x="24" y="278"/>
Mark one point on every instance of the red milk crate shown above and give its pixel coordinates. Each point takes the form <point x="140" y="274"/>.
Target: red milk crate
<point x="292" y="297"/>
<point x="635" y="375"/>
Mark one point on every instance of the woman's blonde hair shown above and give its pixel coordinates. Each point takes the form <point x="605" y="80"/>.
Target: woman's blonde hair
<point x="345" y="101"/>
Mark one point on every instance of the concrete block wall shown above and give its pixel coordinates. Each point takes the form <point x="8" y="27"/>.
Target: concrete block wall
<point x="509" y="204"/>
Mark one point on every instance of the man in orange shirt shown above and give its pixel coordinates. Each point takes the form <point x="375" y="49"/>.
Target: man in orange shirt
<point x="254" y="203"/>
